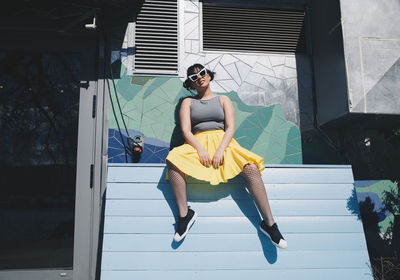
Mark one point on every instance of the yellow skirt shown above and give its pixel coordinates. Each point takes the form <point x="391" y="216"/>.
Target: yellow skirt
<point x="186" y="159"/>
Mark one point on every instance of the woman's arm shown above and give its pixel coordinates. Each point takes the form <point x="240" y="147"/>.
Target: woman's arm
<point x="184" y="115"/>
<point x="229" y="112"/>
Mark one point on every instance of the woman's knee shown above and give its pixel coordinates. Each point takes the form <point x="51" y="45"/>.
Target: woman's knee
<point x="251" y="168"/>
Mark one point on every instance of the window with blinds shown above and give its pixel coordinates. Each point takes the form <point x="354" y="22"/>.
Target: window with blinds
<point x="251" y="29"/>
<point x="156" y="38"/>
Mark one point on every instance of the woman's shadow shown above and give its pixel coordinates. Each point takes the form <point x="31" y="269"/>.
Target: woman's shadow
<point x="200" y="192"/>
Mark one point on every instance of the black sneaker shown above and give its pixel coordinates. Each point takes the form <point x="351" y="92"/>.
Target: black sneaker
<point x="184" y="224"/>
<point x="274" y="233"/>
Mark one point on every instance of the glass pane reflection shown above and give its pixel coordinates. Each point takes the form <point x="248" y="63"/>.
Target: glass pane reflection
<point x="39" y="101"/>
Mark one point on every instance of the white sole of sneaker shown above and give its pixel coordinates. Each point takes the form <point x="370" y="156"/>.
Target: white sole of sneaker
<point x="281" y="246"/>
<point x="177" y="237"/>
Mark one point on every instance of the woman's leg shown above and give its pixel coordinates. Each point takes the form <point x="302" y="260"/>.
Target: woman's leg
<point x="186" y="215"/>
<point x="178" y="184"/>
<point x="256" y="187"/>
<point x="254" y="183"/>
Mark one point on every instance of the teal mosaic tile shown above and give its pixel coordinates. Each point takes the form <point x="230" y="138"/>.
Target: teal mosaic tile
<point x="141" y="80"/>
<point x="125" y="89"/>
<point x="154" y="84"/>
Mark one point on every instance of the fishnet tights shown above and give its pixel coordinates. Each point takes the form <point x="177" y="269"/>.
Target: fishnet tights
<point x="255" y="185"/>
<point x="178" y="184"/>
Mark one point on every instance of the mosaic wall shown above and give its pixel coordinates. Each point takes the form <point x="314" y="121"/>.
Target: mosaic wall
<point x="265" y="89"/>
<point x="372" y="192"/>
<point x="150" y="107"/>
<point x="259" y="79"/>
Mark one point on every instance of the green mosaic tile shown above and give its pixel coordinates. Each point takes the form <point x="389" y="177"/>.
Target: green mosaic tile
<point x="290" y="150"/>
<point x="155" y="84"/>
<point x="124" y="88"/>
<point x="172" y="87"/>
<point x="140" y="80"/>
<point x="379" y="187"/>
<point x="153" y="101"/>
<point x="294" y="137"/>
<point x="293" y="159"/>
<point x="386" y="223"/>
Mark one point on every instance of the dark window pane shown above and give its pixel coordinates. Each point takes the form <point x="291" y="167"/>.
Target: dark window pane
<point x="39" y="102"/>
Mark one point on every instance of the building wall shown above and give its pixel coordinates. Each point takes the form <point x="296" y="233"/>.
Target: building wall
<point x="328" y="60"/>
<point x="372" y="49"/>
<point x="264" y="89"/>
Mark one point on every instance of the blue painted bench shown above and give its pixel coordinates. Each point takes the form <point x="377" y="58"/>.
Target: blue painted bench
<point x="313" y="205"/>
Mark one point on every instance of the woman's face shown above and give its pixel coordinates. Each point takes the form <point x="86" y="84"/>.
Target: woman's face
<point x="201" y="82"/>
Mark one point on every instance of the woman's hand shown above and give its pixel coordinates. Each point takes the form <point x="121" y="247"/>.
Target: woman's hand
<point x="218" y="158"/>
<point x="205" y="158"/>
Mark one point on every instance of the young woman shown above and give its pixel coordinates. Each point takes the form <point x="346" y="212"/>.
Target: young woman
<point x="211" y="154"/>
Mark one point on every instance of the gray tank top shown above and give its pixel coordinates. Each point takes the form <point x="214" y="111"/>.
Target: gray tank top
<point x="207" y="115"/>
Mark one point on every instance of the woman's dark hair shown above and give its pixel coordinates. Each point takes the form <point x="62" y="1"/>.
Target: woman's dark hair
<point x="187" y="84"/>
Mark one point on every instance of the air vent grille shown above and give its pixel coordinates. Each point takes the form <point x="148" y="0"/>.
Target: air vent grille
<point x="249" y="29"/>
<point x="156" y="38"/>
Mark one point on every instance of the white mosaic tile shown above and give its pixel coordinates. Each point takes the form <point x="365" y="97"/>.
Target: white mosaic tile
<point x="215" y="87"/>
<point x="248" y="59"/>
<point x="195" y="46"/>
<point x="212" y="56"/>
<point x="277" y="83"/>
<point x="291" y="83"/>
<point x="212" y="64"/>
<point x="267" y="85"/>
<point x="225" y="89"/>
<point x="191" y="6"/>
<point x="192" y="29"/>
<point x="248" y="93"/>
<point x="264" y="60"/>
<point x="230" y="85"/>
<point x="188" y="46"/>
<point x="228" y="59"/>
<point x="233" y="71"/>
<point x="243" y="68"/>
<point x="277" y="60"/>
<point x="290" y="61"/>
<point x="190" y="16"/>
<point x="284" y="72"/>
<point x="222" y="74"/>
<point x="193" y="35"/>
<point x="195" y="2"/>
<point x="254" y="78"/>
<point x="191" y="59"/>
<point x="258" y="68"/>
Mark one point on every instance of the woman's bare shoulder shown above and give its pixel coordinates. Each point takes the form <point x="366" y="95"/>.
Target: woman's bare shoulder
<point x="186" y="101"/>
<point x="225" y="99"/>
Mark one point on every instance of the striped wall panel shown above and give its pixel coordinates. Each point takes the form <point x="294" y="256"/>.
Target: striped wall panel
<point x="309" y="202"/>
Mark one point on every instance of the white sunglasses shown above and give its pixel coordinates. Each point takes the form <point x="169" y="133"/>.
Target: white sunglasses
<point x="201" y="74"/>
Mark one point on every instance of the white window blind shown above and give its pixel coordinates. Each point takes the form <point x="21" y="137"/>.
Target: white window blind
<point x="251" y="29"/>
<point x="156" y="38"/>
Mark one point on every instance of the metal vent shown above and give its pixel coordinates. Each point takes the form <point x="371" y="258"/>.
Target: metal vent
<point x="249" y="29"/>
<point x="156" y="38"/>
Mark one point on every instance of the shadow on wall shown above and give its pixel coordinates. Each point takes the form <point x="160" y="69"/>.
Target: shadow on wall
<point x="150" y="107"/>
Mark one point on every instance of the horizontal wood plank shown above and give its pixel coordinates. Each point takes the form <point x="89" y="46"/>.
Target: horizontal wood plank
<point x="232" y="242"/>
<point x="235" y="274"/>
<point x="228" y="208"/>
<point x="155" y="174"/>
<point x="235" y="225"/>
<point x="228" y="191"/>
<point x="233" y="260"/>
